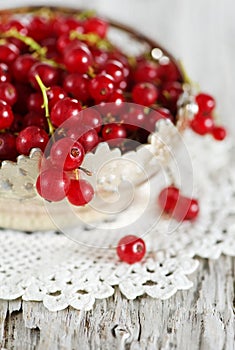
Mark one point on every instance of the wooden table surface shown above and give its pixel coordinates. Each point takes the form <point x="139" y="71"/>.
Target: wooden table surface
<point x="201" y="318"/>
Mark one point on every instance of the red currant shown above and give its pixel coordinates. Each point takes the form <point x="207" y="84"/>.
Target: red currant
<point x="6" y="115"/>
<point x="76" y="85"/>
<point x="5" y="75"/>
<point x="168" y="198"/>
<point x="8" y="53"/>
<point x="114" y="133"/>
<point x="7" y="146"/>
<point x="35" y="103"/>
<point x="52" y="184"/>
<point x="67" y="154"/>
<point x="55" y="94"/>
<point x="144" y="94"/>
<point x="48" y="74"/>
<point x="31" y="137"/>
<point x="146" y="71"/>
<point x="131" y="249"/>
<point x="89" y="139"/>
<point x="186" y="209"/>
<point x="21" y="67"/>
<point x="202" y="125"/>
<point x="115" y="69"/>
<point x="78" y="60"/>
<point x="96" y="25"/>
<point x="219" y="133"/>
<point x="101" y="87"/>
<point x="65" y="109"/>
<point x="80" y="192"/>
<point x="8" y="93"/>
<point x="206" y="103"/>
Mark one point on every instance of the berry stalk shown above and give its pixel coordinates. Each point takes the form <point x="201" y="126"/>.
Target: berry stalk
<point x="44" y="90"/>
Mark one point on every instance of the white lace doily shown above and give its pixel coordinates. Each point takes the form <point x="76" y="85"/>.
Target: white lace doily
<point x="49" y="267"/>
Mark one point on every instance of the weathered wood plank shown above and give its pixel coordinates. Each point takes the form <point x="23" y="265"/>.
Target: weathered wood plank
<point x="201" y="318"/>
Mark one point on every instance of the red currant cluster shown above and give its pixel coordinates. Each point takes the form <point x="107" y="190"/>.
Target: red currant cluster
<point x="53" y="66"/>
<point x="203" y="122"/>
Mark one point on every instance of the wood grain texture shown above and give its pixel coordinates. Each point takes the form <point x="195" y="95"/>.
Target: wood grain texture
<point x="201" y="318"/>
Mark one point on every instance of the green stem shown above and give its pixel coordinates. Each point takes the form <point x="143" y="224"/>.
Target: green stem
<point x="39" y="50"/>
<point x="34" y="46"/>
<point x="92" y="39"/>
<point x="44" y="90"/>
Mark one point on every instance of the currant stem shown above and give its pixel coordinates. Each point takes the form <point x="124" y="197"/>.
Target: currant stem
<point x="86" y="171"/>
<point x="34" y="46"/>
<point x="92" y="38"/>
<point x="44" y="90"/>
<point x="39" y="51"/>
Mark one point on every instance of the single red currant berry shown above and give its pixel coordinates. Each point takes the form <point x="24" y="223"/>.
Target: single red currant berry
<point x="146" y="71"/>
<point x="48" y="74"/>
<point x="76" y="85"/>
<point x="31" y="137"/>
<point x="168" y="198"/>
<point x="100" y="58"/>
<point x="170" y="94"/>
<point x="8" y="93"/>
<point x="167" y="71"/>
<point x="144" y="94"/>
<point x="92" y="118"/>
<point x="131" y="249"/>
<point x="202" y="125"/>
<point x="6" y="115"/>
<point x="78" y="60"/>
<point x="52" y="184"/>
<point x="35" y="102"/>
<point x="8" y="53"/>
<point x="134" y="118"/>
<point x="7" y="146"/>
<point x="114" y="133"/>
<point x="89" y="138"/>
<point x="219" y="133"/>
<point x="5" y="75"/>
<point x="186" y="209"/>
<point x="96" y="25"/>
<point x="34" y="118"/>
<point x="115" y="69"/>
<point x="65" y="109"/>
<point x="21" y="67"/>
<point x="67" y="154"/>
<point x="206" y="103"/>
<point x="55" y="94"/>
<point x="80" y="192"/>
<point x="101" y="87"/>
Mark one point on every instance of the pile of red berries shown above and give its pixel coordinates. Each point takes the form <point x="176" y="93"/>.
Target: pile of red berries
<point x="53" y="68"/>
<point x="203" y="122"/>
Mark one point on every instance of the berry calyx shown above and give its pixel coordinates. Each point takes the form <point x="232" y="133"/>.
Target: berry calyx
<point x="131" y="249"/>
<point x="80" y="192"/>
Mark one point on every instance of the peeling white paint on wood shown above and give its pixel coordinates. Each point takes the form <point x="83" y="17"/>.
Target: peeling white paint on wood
<point x="201" y="318"/>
